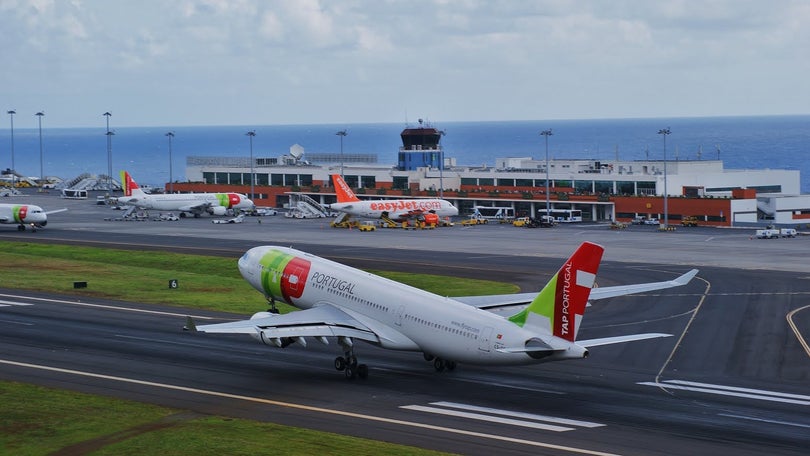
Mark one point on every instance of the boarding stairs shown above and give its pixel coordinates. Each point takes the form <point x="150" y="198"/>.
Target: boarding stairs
<point x="87" y="181"/>
<point x="302" y="206"/>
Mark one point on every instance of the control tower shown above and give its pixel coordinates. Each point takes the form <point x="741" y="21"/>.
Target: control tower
<point x="420" y="148"/>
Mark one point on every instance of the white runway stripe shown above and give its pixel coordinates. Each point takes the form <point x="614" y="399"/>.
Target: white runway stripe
<point x="4" y="303"/>
<point x="507" y="417"/>
<point x="528" y="416"/>
<point x="723" y="390"/>
<point x="491" y="419"/>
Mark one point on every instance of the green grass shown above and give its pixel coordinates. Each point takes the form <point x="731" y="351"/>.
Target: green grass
<point x="205" y="282"/>
<point x="38" y="420"/>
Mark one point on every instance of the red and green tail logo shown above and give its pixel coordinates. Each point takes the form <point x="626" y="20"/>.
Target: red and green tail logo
<point x="560" y="305"/>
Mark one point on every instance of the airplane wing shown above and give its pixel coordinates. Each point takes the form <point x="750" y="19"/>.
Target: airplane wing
<point x="496" y="302"/>
<point x="321" y="321"/>
<point x="622" y="290"/>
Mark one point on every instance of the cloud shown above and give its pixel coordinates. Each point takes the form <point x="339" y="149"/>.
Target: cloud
<point x="361" y="60"/>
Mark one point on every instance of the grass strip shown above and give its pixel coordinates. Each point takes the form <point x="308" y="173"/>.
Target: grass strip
<point x="38" y="420"/>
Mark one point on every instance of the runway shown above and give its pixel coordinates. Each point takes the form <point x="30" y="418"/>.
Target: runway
<point x="732" y="379"/>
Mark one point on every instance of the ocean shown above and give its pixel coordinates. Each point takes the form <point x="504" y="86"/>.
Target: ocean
<point x="775" y="142"/>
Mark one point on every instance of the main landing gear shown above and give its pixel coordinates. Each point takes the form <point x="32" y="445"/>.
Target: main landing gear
<point x="440" y="364"/>
<point x="348" y="362"/>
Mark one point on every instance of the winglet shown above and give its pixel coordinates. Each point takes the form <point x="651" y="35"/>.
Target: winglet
<point x="685" y="278"/>
<point x="559" y="307"/>
<point x="343" y="191"/>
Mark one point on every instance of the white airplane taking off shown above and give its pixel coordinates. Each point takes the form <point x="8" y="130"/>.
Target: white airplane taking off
<point x="193" y="203"/>
<point x="399" y="209"/>
<point x="24" y="215"/>
<point x="350" y="304"/>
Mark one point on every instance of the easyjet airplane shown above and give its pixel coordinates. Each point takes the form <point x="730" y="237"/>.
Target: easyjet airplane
<point x="351" y="305"/>
<point x="25" y="215"/>
<point x="194" y="203"/>
<point x="399" y="209"/>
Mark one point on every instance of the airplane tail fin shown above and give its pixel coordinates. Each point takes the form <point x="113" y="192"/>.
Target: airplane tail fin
<point x="343" y="191"/>
<point x="559" y="307"/>
<point x="129" y="184"/>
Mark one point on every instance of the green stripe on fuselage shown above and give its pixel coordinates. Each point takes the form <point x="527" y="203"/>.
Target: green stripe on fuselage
<point x="273" y="264"/>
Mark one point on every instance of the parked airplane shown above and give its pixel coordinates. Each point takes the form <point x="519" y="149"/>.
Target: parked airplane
<point x="399" y="209"/>
<point x="24" y="215"/>
<point x="350" y="304"/>
<point x="193" y="203"/>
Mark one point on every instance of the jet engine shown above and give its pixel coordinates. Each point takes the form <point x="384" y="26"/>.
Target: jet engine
<point x="217" y="210"/>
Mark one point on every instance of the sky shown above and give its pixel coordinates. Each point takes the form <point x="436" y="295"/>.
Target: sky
<point x="279" y="62"/>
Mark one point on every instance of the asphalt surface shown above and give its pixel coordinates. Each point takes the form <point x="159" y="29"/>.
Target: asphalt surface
<point x="732" y="379"/>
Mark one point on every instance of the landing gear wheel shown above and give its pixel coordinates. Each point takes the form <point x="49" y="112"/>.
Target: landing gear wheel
<point x="438" y="364"/>
<point x="451" y="365"/>
<point x="352" y="361"/>
<point x="351" y="372"/>
<point x="362" y="371"/>
<point x="428" y="357"/>
<point x="340" y="363"/>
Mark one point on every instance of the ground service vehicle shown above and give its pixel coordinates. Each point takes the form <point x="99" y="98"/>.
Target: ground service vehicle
<point x="690" y="220"/>
<point x="767" y="233"/>
<point x="366" y="226"/>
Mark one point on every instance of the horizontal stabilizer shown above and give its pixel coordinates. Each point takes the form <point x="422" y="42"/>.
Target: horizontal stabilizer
<point x="622" y="290"/>
<point x="619" y="339"/>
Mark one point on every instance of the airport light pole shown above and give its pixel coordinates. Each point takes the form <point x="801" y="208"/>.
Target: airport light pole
<point x="11" y="113"/>
<point x="109" y="152"/>
<point x="170" y="135"/>
<point x="250" y="135"/>
<point x="665" y="132"/>
<point x="342" y="134"/>
<point x="546" y="134"/>
<point x="41" y="167"/>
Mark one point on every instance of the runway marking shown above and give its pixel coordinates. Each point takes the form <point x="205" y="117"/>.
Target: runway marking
<point x="762" y="420"/>
<point x="488" y="418"/>
<point x="796" y="330"/>
<point x="723" y="390"/>
<point x="312" y="409"/>
<point x="529" y="416"/>
<point x="4" y="303"/>
<point x="106" y="306"/>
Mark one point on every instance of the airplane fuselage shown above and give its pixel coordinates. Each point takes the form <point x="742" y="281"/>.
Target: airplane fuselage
<point x="22" y="214"/>
<point x="188" y="202"/>
<point x="397" y="209"/>
<point x="403" y="317"/>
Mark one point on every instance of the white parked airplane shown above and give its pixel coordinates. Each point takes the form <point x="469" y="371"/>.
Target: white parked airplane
<point x="399" y="209"/>
<point x="193" y="203"/>
<point x="350" y="304"/>
<point x="24" y="215"/>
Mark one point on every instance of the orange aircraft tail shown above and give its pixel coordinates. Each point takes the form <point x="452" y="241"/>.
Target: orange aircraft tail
<point x="343" y="191"/>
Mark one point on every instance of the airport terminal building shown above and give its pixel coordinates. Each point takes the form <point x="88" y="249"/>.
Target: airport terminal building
<point x="604" y="191"/>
